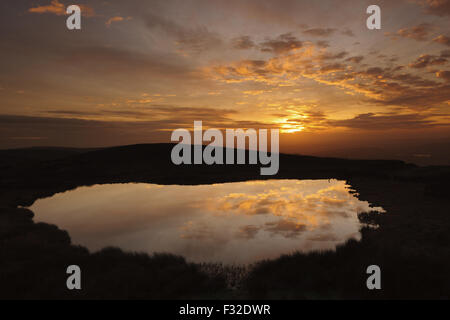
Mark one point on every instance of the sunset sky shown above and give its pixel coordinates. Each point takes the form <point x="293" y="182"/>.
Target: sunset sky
<point x="139" y="69"/>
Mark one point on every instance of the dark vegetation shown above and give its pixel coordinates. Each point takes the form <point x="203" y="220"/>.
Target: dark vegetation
<point x="410" y="243"/>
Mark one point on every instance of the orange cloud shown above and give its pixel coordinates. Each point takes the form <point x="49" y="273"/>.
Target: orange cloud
<point x="59" y="9"/>
<point x="55" y="7"/>
<point x="115" y="19"/>
<point x="443" y="40"/>
<point x="284" y="43"/>
<point x="386" y="86"/>
<point x="321" y="32"/>
<point x="419" y="32"/>
<point x="426" y="60"/>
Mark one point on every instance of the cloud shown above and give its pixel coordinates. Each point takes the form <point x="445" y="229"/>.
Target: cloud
<point x="320" y="32"/>
<point x="323" y="44"/>
<point x="282" y="44"/>
<point x="152" y="117"/>
<point x="329" y="68"/>
<point x="444" y="75"/>
<point x="243" y="43"/>
<point x="419" y="98"/>
<point x="313" y="68"/>
<point x="286" y="228"/>
<point x="324" y="237"/>
<point x="348" y="32"/>
<point x="442" y="40"/>
<point x="55" y="7"/>
<point x="418" y="33"/>
<point x="255" y="92"/>
<point x="436" y="7"/>
<point x="115" y="19"/>
<point x="445" y="53"/>
<point x="149" y="124"/>
<point x="107" y="61"/>
<point x="59" y="9"/>
<point x="291" y="210"/>
<point x="72" y="113"/>
<point x="355" y="59"/>
<point x="196" y="39"/>
<point x="426" y="60"/>
<point x="385" y="86"/>
<point x="371" y="121"/>
<point x="248" y="232"/>
<point x="310" y="119"/>
<point x="332" y="56"/>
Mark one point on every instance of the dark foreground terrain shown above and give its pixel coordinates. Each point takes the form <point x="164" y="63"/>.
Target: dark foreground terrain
<point x="411" y="244"/>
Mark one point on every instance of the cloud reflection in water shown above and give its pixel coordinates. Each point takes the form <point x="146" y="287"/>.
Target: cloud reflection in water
<point x="238" y="222"/>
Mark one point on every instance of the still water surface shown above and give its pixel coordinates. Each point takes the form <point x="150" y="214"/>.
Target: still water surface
<point x="232" y="223"/>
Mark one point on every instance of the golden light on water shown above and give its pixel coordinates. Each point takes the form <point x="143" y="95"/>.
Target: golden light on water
<point x="240" y="222"/>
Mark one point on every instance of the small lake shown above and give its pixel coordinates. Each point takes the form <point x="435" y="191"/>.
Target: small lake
<point x="231" y="223"/>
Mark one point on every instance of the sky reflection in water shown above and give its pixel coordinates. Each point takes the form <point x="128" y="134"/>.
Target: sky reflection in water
<point x="233" y="223"/>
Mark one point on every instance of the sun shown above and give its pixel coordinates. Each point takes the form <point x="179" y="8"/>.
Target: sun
<point x="289" y="126"/>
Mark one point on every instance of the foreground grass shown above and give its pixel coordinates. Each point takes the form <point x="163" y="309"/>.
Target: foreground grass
<point x="35" y="257"/>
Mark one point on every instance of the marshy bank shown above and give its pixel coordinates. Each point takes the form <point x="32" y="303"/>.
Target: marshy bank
<point x="411" y="244"/>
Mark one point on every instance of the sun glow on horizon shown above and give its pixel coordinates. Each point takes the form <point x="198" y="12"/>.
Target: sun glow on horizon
<point x="287" y="125"/>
